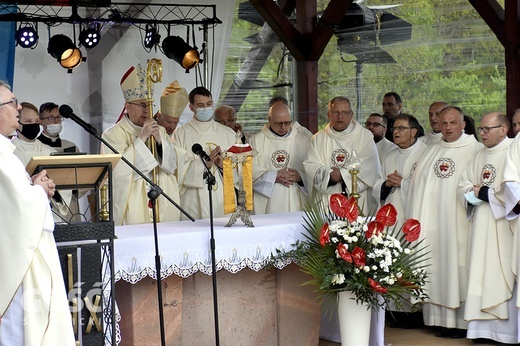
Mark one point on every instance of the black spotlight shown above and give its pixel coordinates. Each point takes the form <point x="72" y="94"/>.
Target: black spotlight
<point x="175" y="48"/>
<point x="151" y="37"/>
<point x="64" y="51"/>
<point x="27" y="36"/>
<point x="89" y="38"/>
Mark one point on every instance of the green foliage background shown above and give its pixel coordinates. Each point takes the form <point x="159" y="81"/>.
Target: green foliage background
<point x="452" y="56"/>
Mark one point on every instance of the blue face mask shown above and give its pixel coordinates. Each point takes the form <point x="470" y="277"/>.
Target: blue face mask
<point x="204" y="114"/>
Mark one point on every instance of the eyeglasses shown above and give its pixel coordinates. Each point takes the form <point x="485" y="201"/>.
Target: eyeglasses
<point x="369" y="123"/>
<point x="142" y="105"/>
<point x="344" y="113"/>
<point x="14" y="101"/>
<point x="283" y="123"/>
<point x="400" y="128"/>
<point x="52" y="119"/>
<point x="487" y="128"/>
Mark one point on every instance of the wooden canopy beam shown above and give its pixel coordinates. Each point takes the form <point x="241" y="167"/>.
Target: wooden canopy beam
<point x="306" y="42"/>
<point x="505" y="24"/>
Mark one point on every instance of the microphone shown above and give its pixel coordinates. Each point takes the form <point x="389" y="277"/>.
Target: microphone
<point x="67" y="112"/>
<point x="197" y="150"/>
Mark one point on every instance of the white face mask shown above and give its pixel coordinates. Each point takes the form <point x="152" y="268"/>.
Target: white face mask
<point x="204" y="114"/>
<point x="54" y="129"/>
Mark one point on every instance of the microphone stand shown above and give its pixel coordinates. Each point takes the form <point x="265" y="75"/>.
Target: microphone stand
<point x="153" y="194"/>
<point x="210" y="181"/>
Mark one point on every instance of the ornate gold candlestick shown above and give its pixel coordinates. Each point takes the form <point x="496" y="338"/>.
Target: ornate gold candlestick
<point x="354" y="166"/>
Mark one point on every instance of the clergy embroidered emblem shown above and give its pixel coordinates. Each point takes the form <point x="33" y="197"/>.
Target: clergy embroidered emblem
<point x="488" y="174"/>
<point x="339" y="158"/>
<point x="280" y="159"/>
<point x="444" y="167"/>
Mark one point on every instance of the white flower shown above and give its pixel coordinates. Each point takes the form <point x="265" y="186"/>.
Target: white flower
<point x="338" y="279"/>
<point x="407" y="251"/>
<point x="366" y="269"/>
<point x="334" y="240"/>
<point x="374" y="267"/>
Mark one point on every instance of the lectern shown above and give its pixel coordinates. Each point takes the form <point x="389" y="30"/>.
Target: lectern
<point x="86" y="248"/>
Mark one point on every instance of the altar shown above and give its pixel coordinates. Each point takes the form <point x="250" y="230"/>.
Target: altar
<point x="256" y="305"/>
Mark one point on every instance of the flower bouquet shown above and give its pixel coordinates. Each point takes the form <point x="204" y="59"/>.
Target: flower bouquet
<point x="365" y="255"/>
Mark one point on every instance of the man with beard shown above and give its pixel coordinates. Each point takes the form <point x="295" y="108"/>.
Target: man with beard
<point x="377" y="124"/>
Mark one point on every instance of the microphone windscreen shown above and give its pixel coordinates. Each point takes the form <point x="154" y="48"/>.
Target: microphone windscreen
<point x="196" y="148"/>
<point x="65" y="111"/>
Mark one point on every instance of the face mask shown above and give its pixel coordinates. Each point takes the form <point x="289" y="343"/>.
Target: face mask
<point x="54" y="129"/>
<point x="30" y="131"/>
<point x="204" y="114"/>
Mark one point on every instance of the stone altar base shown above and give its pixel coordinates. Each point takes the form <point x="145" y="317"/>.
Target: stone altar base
<point x="255" y="308"/>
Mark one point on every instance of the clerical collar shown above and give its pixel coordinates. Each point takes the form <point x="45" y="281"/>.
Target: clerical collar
<point x="278" y="135"/>
<point x="51" y="142"/>
<point x="54" y="139"/>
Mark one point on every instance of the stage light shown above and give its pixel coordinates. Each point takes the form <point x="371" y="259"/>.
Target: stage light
<point x="65" y="52"/>
<point x="27" y="36"/>
<point x="151" y="37"/>
<point x="89" y="38"/>
<point x="175" y="48"/>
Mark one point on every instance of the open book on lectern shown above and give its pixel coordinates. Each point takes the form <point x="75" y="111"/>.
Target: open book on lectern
<point x="74" y="171"/>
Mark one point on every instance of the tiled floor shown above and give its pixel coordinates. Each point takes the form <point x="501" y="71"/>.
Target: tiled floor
<point x="414" y="337"/>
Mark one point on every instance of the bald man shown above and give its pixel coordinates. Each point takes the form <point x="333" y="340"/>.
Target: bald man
<point x="278" y="173"/>
<point x="490" y="309"/>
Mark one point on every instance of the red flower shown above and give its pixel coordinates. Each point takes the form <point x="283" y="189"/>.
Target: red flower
<point x="387" y="215"/>
<point x="412" y="229"/>
<point x="358" y="254"/>
<point x="324" y="234"/>
<point x="343" y="253"/>
<point x="376" y="286"/>
<point x="344" y="207"/>
<point x="374" y="227"/>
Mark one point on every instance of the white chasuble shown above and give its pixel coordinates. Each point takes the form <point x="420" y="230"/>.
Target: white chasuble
<point x="194" y="190"/>
<point x="404" y="161"/>
<point x="29" y="259"/>
<point x="275" y="153"/>
<point x="130" y="200"/>
<point x="509" y="194"/>
<point x="490" y="282"/>
<point x="385" y="147"/>
<point x="433" y="201"/>
<point x="329" y="149"/>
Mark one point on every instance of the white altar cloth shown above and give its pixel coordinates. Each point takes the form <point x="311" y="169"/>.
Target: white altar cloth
<point x="184" y="246"/>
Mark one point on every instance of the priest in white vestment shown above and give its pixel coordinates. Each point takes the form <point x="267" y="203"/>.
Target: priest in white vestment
<point x="509" y="194"/>
<point x="326" y="171"/>
<point x="214" y="139"/>
<point x="435" y="134"/>
<point x="33" y="304"/>
<point x="278" y="175"/>
<point x="491" y="281"/>
<point x="433" y="201"/>
<point x="399" y="165"/>
<point x="174" y="100"/>
<point x="129" y="137"/>
<point x="377" y="124"/>
<point x="326" y="167"/>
